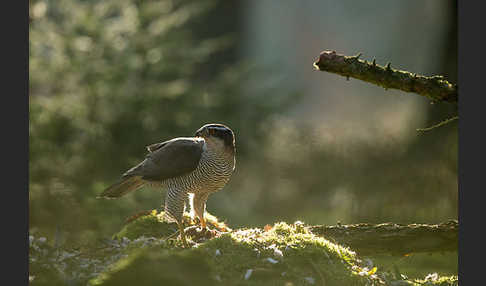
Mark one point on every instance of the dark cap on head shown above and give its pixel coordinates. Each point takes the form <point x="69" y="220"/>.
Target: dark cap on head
<point x="220" y="131"/>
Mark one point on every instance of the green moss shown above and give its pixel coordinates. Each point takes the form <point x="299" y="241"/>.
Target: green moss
<point x="148" y="225"/>
<point x="158" y="266"/>
<point x="418" y="265"/>
<point x="434" y="280"/>
<point x="45" y="276"/>
<point x="296" y="254"/>
<point x="283" y="254"/>
<point x="153" y="225"/>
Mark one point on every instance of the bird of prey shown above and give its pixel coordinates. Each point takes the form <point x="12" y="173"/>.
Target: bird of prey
<point x="198" y="165"/>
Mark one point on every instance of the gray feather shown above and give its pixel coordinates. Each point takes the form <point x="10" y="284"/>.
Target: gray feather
<point x="169" y="159"/>
<point x="123" y="187"/>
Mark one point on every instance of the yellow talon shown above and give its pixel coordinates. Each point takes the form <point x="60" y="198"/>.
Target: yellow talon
<point x="203" y="223"/>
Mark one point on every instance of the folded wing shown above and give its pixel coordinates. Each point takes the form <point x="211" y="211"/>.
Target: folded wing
<point x="169" y="159"/>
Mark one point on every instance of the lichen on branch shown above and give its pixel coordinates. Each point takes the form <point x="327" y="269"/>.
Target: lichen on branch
<point x="436" y="88"/>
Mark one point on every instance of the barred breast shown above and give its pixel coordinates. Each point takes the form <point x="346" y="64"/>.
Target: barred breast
<point x="211" y="175"/>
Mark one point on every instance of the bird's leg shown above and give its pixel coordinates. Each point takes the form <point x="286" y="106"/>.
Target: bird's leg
<point x="203" y="221"/>
<point x="199" y="204"/>
<point x="189" y="207"/>
<point x="183" y="235"/>
<point x="174" y="209"/>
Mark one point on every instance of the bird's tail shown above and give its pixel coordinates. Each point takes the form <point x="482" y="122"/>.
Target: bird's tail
<point x="123" y="187"/>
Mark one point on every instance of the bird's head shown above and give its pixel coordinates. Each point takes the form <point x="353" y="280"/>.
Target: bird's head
<point x="217" y="132"/>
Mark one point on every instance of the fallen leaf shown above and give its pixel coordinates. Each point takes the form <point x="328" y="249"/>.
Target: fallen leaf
<point x="372" y="271"/>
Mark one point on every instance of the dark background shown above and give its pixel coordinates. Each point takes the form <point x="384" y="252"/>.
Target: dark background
<point x="108" y="78"/>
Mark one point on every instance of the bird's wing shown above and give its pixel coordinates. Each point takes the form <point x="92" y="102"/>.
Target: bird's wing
<point x="153" y="147"/>
<point x="169" y="159"/>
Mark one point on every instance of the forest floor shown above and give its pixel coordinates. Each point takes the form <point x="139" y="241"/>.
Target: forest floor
<point x="147" y="251"/>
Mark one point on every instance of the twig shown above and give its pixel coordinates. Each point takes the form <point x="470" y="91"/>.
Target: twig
<point x="172" y="235"/>
<point x="449" y="120"/>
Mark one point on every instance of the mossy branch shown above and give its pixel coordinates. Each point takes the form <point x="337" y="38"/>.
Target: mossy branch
<point x="391" y="238"/>
<point x="436" y="88"/>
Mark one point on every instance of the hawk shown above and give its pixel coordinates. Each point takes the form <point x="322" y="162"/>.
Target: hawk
<point x="199" y="166"/>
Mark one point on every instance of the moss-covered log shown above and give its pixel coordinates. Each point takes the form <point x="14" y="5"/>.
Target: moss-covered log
<point x="436" y="88"/>
<point x="391" y="238"/>
<point x="278" y="254"/>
